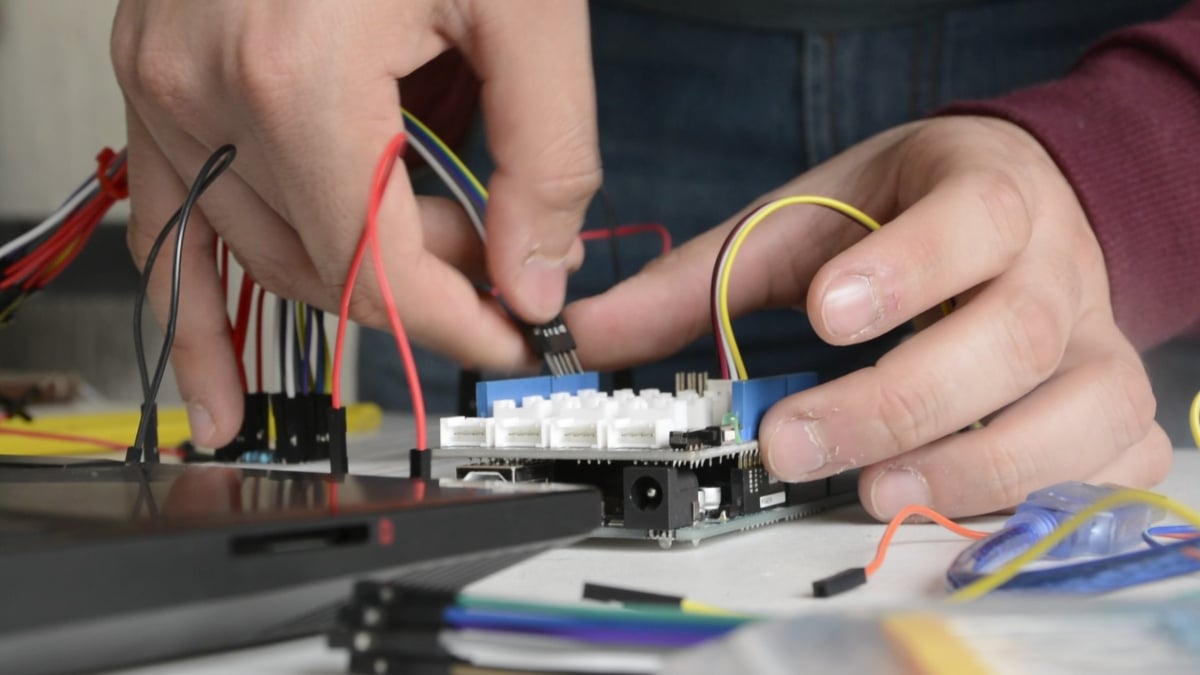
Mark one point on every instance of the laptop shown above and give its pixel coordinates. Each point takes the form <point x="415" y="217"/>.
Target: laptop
<point x="110" y="564"/>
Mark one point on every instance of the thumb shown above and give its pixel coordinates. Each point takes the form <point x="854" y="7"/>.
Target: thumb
<point x="534" y="62"/>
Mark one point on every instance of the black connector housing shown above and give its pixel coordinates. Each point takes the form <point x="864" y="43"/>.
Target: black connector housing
<point x="253" y="434"/>
<point x="839" y="583"/>
<point x="628" y="596"/>
<point x="287" y="429"/>
<point x="420" y="464"/>
<point x="321" y="404"/>
<point x="149" y="452"/>
<point x="304" y="410"/>
<point x="708" y="437"/>
<point x="339" y="459"/>
<point x="551" y="337"/>
<point x="659" y="497"/>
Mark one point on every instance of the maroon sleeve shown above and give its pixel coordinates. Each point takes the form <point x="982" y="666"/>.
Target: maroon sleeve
<point x="1124" y="127"/>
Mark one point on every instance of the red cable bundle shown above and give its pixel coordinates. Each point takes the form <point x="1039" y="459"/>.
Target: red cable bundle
<point x="48" y="260"/>
<point x="370" y="237"/>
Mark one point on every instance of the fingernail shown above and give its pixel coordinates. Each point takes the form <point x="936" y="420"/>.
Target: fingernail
<point x="796" y="450"/>
<point x="897" y="489"/>
<point x="201" y="423"/>
<point x="850" y="306"/>
<point x="542" y="284"/>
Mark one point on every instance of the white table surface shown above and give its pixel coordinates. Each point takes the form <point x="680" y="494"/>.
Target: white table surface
<point x="769" y="570"/>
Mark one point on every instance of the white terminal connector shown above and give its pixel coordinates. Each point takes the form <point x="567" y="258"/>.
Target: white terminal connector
<point x="467" y="432"/>
<point x="591" y="419"/>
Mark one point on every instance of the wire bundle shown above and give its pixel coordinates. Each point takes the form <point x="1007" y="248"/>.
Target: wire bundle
<point x="38" y="256"/>
<point x="395" y="628"/>
<point x="729" y="356"/>
<point x="144" y="446"/>
<point x="370" y="240"/>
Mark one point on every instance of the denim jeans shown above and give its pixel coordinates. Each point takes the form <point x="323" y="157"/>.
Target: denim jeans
<point x="697" y="120"/>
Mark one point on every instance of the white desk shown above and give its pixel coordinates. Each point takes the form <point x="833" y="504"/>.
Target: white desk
<point x="766" y="570"/>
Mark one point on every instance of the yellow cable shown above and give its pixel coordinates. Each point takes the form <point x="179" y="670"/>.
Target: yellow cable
<point x="693" y="607"/>
<point x="723" y="302"/>
<point x="114" y="427"/>
<point x="930" y="646"/>
<point x="1194" y="419"/>
<point x="458" y="163"/>
<point x="1012" y="568"/>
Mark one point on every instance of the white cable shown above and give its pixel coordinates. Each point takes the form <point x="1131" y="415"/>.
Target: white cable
<point x="722" y="272"/>
<point x="726" y="350"/>
<point x="86" y="191"/>
<point x="440" y="170"/>
<point x="280" y="317"/>
<point x="289" y="353"/>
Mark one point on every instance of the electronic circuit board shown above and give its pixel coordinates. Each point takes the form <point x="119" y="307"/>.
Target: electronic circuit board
<point x="680" y="466"/>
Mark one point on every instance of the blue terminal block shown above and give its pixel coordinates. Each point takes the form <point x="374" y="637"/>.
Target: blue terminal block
<point x="752" y="398"/>
<point x="488" y="392"/>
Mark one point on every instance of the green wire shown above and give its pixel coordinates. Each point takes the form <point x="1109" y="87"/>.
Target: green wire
<point x="643" y="613"/>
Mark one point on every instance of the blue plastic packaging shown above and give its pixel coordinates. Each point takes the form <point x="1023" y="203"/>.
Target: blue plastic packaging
<point x="1107" y="533"/>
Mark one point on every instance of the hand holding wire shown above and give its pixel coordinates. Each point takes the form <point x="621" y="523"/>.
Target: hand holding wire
<point x="308" y="91"/>
<point x="969" y="209"/>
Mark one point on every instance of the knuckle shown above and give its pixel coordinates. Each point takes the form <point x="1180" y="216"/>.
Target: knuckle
<point x="162" y="78"/>
<point x="569" y="171"/>
<point x="265" y="73"/>
<point x="271" y="275"/>
<point x="122" y="52"/>
<point x="1003" y="201"/>
<point x="1157" y="455"/>
<point x="365" y="306"/>
<point x="1033" y="338"/>
<point x="909" y="413"/>
<point x="1131" y="404"/>
<point x="569" y="192"/>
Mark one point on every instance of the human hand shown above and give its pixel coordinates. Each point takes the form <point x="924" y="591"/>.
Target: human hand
<point x="974" y="209"/>
<point x="307" y="92"/>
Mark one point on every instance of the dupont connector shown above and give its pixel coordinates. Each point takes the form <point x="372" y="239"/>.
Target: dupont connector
<point x="149" y="452"/>
<point x="339" y="458"/>
<point x="320" y="405"/>
<point x="420" y="463"/>
<point x="287" y="429"/>
<point x="305" y="421"/>
<point x="253" y="433"/>
<point x="554" y="343"/>
<point x="839" y="583"/>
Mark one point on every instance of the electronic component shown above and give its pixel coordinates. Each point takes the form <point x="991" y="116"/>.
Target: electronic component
<point x="488" y="392"/>
<point x="670" y="466"/>
<point x="554" y="343"/>
<point x="533" y="472"/>
<point x="1109" y="532"/>
<point x="253" y="434"/>
<point x="840" y="582"/>
<point x="420" y="464"/>
<point x="703" y="438"/>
